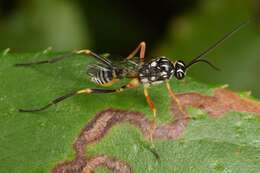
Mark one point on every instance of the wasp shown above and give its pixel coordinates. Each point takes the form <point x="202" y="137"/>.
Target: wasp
<point x="105" y="73"/>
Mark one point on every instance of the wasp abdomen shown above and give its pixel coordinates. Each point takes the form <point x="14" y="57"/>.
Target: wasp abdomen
<point x="101" y="75"/>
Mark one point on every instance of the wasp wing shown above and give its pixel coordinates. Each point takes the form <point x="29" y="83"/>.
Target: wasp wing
<point x="103" y="73"/>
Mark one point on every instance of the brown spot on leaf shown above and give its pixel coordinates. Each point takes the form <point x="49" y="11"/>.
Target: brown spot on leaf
<point x="110" y="163"/>
<point x="221" y="102"/>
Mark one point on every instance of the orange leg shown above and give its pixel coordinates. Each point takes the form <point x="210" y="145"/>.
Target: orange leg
<point x="175" y="99"/>
<point x="140" y="47"/>
<point x="151" y="105"/>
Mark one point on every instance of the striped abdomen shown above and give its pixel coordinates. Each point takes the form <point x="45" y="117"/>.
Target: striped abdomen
<point x="101" y="75"/>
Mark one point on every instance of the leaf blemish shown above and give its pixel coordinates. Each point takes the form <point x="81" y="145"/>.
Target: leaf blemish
<point x="221" y="102"/>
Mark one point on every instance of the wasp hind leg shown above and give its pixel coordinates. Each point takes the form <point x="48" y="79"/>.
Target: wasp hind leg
<point x="132" y="84"/>
<point x="64" y="56"/>
<point x="61" y="98"/>
<point x="96" y="56"/>
<point x="49" y="61"/>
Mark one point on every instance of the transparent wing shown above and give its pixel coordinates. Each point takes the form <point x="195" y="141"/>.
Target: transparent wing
<point x="102" y="73"/>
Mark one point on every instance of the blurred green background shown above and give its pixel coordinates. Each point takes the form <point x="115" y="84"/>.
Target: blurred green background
<point x="178" y="29"/>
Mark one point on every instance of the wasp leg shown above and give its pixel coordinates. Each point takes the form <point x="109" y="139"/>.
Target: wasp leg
<point x="151" y="105"/>
<point x="132" y="84"/>
<point x="89" y="52"/>
<point x="180" y="107"/>
<point x="67" y="55"/>
<point x="50" y="61"/>
<point x="140" y="47"/>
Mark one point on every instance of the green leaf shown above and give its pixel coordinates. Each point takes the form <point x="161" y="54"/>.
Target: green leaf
<point x="37" y="142"/>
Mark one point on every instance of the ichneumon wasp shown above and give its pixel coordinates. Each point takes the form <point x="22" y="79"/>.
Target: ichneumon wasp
<point x="106" y="73"/>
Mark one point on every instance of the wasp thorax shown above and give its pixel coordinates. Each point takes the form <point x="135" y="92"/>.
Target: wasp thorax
<point x="179" y="70"/>
<point x="156" y="71"/>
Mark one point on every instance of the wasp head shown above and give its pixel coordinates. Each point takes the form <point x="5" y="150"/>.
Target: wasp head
<point x="179" y="70"/>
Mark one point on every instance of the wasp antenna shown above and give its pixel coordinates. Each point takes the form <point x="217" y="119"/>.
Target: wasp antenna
<point x="205" y="61"/>
<point x="218" y="43"/>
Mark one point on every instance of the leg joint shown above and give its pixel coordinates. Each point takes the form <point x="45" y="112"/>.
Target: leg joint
<point x="86" y="51"/>
<point x="142" y="43"/>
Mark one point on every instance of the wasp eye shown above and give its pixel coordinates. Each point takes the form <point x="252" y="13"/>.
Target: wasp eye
<point x="179" y="70"/>
<point x="180" y="74"/>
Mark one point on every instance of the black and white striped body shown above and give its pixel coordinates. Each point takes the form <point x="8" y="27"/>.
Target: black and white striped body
<point x="101" y="75"/>
<point x="161" y="69"/>
<point x="106" y="74"/>
<point x="156" y="71"/>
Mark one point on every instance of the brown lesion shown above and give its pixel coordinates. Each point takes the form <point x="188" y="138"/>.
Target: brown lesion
<point x="109" y="163"/>
<point x="221" y="102"/>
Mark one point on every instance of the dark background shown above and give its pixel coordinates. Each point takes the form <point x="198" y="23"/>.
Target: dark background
<point x="178" y="29"/>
